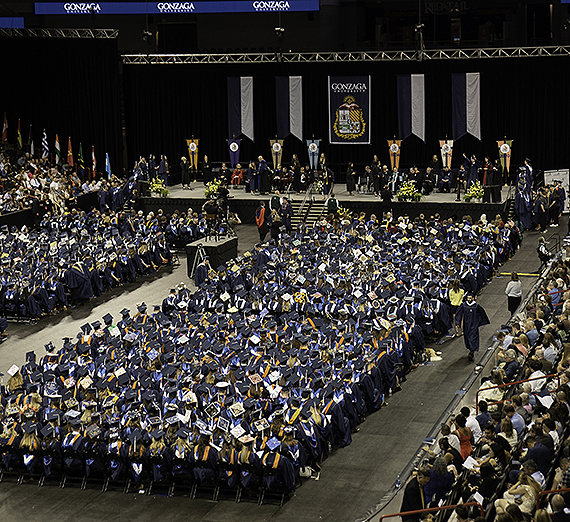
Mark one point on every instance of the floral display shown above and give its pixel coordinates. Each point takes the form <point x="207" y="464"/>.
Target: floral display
<point x="408" y="192"/>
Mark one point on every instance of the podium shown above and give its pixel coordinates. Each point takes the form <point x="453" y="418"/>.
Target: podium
<point x="219" y="252"/>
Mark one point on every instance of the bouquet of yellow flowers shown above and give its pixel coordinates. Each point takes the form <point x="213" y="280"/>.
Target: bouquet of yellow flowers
<point x="212" y="188"/>
<point x="408" y="192"/>
<point x="157" y="186"/>
<point x="319" y="187"/>
<point x="344" y="213"/>
<point x="475" y="192"/>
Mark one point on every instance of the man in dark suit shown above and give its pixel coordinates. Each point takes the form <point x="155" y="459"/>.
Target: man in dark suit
<point x="558" y="514"/>
<point x="414" y="498"/>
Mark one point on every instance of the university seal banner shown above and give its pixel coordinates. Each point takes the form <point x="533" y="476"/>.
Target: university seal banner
<point x="349" y="109"/>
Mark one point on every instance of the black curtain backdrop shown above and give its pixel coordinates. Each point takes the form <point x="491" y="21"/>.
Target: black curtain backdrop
<point x="67" y="86"/>
<point x="524" y="99"/>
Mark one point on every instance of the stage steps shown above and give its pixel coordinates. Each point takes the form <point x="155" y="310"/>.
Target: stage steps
<point x="316" y="211"/>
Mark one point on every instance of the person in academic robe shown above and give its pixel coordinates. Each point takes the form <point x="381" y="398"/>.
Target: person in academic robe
<point x="523" y="209"/>
<point x="202" y="270"/>
<point x="469" y="317"/>
<point x="414" y="498"/>
<point x="206" y="171"/>
<point x="261" y="220"/>
<point x="185" y="171"/>
<point x="286" y="213"/>
<point x="263" y="172"/>
<point x="350" y="180"/>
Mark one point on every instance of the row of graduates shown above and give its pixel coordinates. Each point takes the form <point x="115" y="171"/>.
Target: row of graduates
<point x="104" y="402"/>
<point x="73" y="258"/>
<point x="395" y="263"/>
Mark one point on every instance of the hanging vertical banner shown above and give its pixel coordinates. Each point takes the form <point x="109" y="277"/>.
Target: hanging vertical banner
<point x="193" y="153"/>
<point x="466" y="104"/>
<point x="233" y="146"/>
<point x="411" y="105"/>
<point x="289" y="97"/>
<point x="446" y="147"/>
<point x="349" y="109"/>
<point x="276" y="152"/>
<point x="313" y="149"/>
<point x="394" y="148"/>
<point x="505" y="154"/>
<point x="240" y="106"/>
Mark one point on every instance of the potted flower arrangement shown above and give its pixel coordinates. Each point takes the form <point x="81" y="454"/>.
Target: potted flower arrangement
<point x="475" y="192"/>
<point x="158" y="189"/>
<point x="212" y="188"/>
<point x="408" y="192"/>
<point x="319" y="187"/>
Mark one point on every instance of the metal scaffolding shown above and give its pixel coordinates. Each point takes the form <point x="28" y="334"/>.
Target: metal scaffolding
<point x="60" y="33"/>
<point x="364" y="56"/>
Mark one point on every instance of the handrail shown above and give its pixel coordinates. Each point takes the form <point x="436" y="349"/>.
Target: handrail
<point x="428" y="510"/>
<point x="307" y="196"/>
<point x="510" y="384"/>
<point x="547" y="492"/>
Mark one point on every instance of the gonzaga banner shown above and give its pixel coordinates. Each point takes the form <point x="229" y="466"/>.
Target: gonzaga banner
<point x="349" y="109"/>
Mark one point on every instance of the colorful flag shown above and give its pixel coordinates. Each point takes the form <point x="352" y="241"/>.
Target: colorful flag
<point x="58" y="161"/>
<point x="19" y="143"/>
<point x="240" y="106"/>
<point x="505" y="147"/>
<point x="80" y="162"/>
<point x="193" y="153"/>
<point x="30" y="142"/>
<point x="446" y="147"/>
<point x="394" y="148"/>
<point x="69" y="153"/>
<point x="289" y="97"/>
<point x="93" y="160"/>
<point x="108" y="165"/>
<point x="45" y="146"/>
<point x="233" y="145"/>
<point x="313" y="149"/>
<point x="276" y="152"/>
<point x="5" y="129"/>
<point x="466" y="104"/>
<point x="411" y="105"/>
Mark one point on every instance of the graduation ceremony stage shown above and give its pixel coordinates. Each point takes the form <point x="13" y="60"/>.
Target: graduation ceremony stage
<point x="244" y="204"/>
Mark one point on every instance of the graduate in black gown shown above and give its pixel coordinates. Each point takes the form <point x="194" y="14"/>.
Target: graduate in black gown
<point x="350" y="181"/>
<point x="469" y="317"/>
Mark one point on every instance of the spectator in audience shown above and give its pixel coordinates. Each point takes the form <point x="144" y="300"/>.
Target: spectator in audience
<point x="464" y="435"/>
<point x="509" y="433"/>
<point x="489" y="392"/>
<point x="559" y="472"/>
<point x="484" y="416"/>
<point x="472" y="424"/>
<point x="523" y="494"/>
<point x="440" y="482"/>
<point x="535" y="372"/>
<point x="531" y="469"/>
<point x="512" y="366"/>
<point x="539" y="453"/>
<point x="530" y="331"/>
<point x="558" y="506"/>
<point x="517" y="420"/>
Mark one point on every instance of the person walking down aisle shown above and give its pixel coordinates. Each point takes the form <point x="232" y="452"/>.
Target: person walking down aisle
<point x="261" y="220"/>
<point x="469" y="317"/>
<point x="514" y="293"/>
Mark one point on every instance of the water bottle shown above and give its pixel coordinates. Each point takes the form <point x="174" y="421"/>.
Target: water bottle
<point x="398" y="482"/>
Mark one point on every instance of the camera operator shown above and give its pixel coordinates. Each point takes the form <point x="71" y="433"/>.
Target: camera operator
<point x="223" y="195"/>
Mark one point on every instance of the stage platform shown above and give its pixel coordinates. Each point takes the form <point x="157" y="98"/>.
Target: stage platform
<point x="244" y="204"/>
